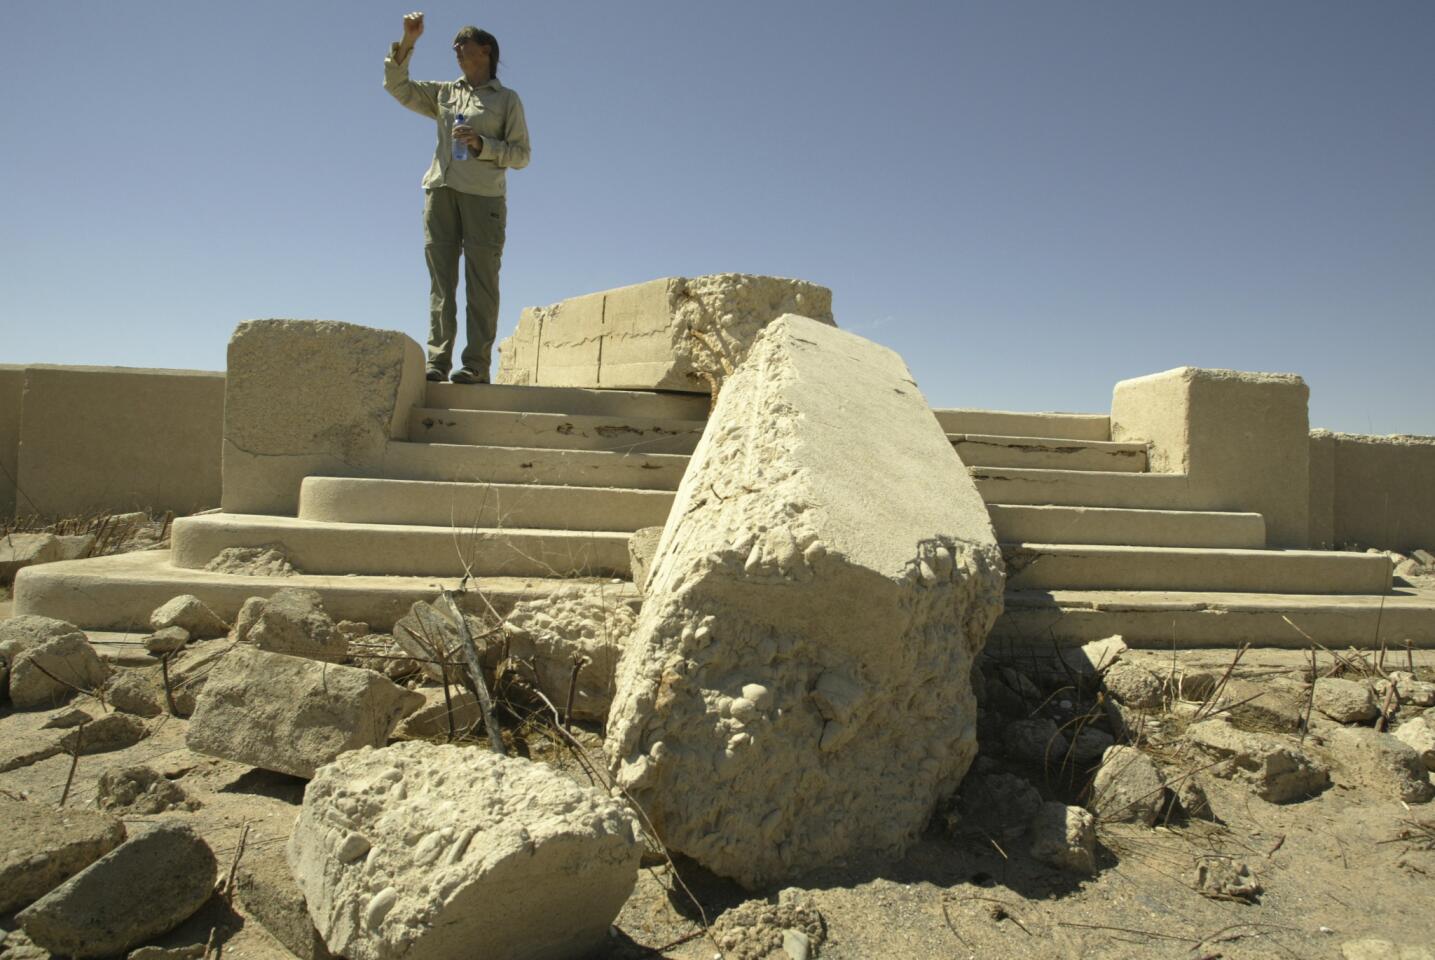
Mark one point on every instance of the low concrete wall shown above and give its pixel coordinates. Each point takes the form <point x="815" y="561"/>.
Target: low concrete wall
<point x="1241" y="438"/>
<point x="12" y="388"/>
<point x="1380" y="491"/>
<point x="97" y="439"/>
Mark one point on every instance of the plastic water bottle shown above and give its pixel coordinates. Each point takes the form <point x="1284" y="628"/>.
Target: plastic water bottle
<point x="460" y="149"/>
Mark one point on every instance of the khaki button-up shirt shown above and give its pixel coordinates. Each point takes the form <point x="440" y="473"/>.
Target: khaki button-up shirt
<point x="494" y="112"/>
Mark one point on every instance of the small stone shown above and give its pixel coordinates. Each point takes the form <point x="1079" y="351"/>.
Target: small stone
<point x="141" y="790"/>
<point x="166" y="641"/>
<point x="41" y="847"/>
<point x="796" y="944"/>
<point x="1133" y="685"/>
<point x="1383" y="762"/>
<point x="1193" y="801"/>
<point x="1417" y="693"/>
<point x="352" y="630"/>
<point x="1222" y="878"/>
<point x="140" y="692"/>
<point x="52" y="670"/>
<point x="248" y="613"/>
<point x="266" y="561"/>
<point x="432" y="719"/>
<point x="293" y="621"/>
<point x="192" y="614"/>
<point x="1089" y="744"/>
<point x="195" y="951"/>
<point x="1128" y="788"/>
<point x="97" y="913"/>
<point x="1345" y="701"/>
<point x="1064" y="837"/>
<point x="1418" y="733"/>
<point x="763" y="930"/>
<point x="382" y="653"/>
<point x="1035" y="741"/>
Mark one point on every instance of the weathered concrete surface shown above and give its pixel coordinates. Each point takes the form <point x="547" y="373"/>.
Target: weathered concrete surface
<point x="1373" y="491"/>
<point x="12" y="392"/>
<point x="146" y="886"/>
<point x="797" y="689"/>
<point x="311" y="397"/>
<point x="556" y="633"/>
<point x="642" y="337"/>
<point x="41" y="847"/>
<point x="1242" y="439"/>
<point x="642" y="547"/>
<point x="293" y="621"/>
<point x="437" y="852"/>
<point x="87" y="440"/>
<point x="290" y="714"/>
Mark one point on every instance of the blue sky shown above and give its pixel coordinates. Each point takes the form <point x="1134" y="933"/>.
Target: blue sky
<point x="1028" y="200"/>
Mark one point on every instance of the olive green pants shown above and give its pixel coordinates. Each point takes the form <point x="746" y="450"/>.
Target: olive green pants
<point x="463" y="223"/>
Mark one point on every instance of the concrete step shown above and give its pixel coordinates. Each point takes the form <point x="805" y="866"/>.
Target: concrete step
<point x="406" y="550"/>
<point x="506" y="428"/>
<point x="986" y="450"/>
<point x="1123" y="526"/>
<point x="1084" y="488"/>
<point x="573" y="468"/>
<point x="573" y="401"/>
<point x="510" y="505"/>
<point x="1001" y="423"/>
<point x="1163" y="620"/>
<point x="120" y="592"/>
<point x="1061" y="566"/>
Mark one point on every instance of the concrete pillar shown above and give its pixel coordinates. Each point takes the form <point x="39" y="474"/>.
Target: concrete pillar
<point x="1242" y="439"/>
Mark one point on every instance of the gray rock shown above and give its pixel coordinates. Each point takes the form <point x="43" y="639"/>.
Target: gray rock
<point x="1063" y="837"/>
<point x="1191" y="797"/>
<point x="1345" y="701"/>
<point x="137" y="691"/>
<point x="995" y="804"/>
<point x="141" y="790"/>
<point x="269" y="894"/>
<point x="97" y="912"/>
<point x="1382" y="762"/>
<point x="381" y="653"/>
<point x="1128" y="788"/>
<point x="195" y="951"/>
<point x="41" y="847"/>
<point x="1418" y="733"/>
<point x="433" y="851"/>
<point x="293" y="621"/>
<point x="292" y="714"/>
<point x="192" y="614"/>
<point x="1035" y="741"/>
<point x="1133" y="685"/>
<point x="1417" y="693"/>
<point x="1277" y="769"/>
<point x="427" y="634"/>
<point x="20" y="550"/>
<point x="167" y="640"/>
<point x="50" y="671"/>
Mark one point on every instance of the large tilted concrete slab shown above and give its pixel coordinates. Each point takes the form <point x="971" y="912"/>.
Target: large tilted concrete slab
<point x="796" y="692"/>
<point x="1045" y="566"/>
<point x="514" y="505"/>
<point x="574" y="401"/>
<point x="120" y="592"/>
<point x="586" y="468"/>
<point x="1162" y="620"/>
<point x="1003" y="423"/>
<point x="554" y="430"/>
<point x="985" y="450"/>
<point x="406" y="550"/>
<point x="676" y="333"/>
<point x="1124" y="526"/>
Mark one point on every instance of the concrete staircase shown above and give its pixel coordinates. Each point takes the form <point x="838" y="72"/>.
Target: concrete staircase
<point x="527" y="488"/>
<point x="1095" y="544"/>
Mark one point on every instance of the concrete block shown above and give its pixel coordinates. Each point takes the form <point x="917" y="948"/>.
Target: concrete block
<point x="1059" y="426"/>
<point x="1385" y="491"/>
<point x="1322" y="490"/>
<point x="436" y="851"/>
<point x="797" y="689"/>
<point x="87" y="440"/>
<point x="1241" y="439"/>
<point x="290" y="714"/>
<point x="20" y="550"/>
<point x="12" y="390"/>
<point x="642" y="337"/>
<point x="555" y="633"/>
<point x="311" y="396"/>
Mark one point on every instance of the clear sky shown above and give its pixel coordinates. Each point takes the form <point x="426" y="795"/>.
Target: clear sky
<point x="1028" y="200"/>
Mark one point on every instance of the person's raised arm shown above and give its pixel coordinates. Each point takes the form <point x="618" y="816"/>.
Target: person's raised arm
<point x="419" y="96"/>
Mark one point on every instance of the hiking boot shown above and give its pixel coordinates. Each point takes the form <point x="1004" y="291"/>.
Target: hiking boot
<point x="435" y="376"/>
<point x="468" y="376"/>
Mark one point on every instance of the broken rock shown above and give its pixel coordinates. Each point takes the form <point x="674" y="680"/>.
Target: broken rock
<point x="758" y="929"/>
<point x="51" y="670"/>
<point x="797" y="689"/>
<point x="1276" y="769"/>
<point x="192" y="614"/>
<point x="291" y="714"/>
<point x="140" y="790"/>
<point x="425" y="850"/>
<point x="20" y="550"/>
<point x="556" y="632"/>
<point x="1128" y="787"/>
<point x="1418" y="733"/>
<point x="1345" y="701"/>
<point x="1064" y="837"/>
<point x="293" y="621"/>
<point x="1383" y="762"/>
<point x="41" y="847"/>
<point x="97" y="912"/>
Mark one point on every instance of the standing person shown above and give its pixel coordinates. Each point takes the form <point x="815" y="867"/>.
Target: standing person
<point x="481" y="134"/>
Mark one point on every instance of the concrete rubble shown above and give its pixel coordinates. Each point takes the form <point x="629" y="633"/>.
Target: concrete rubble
<point x="48" y="660"/>
<point x="290" y="714"/>
<point x="20" y="550"/>
<point x="294" y="622"/>
<point x="41" y="847"/>
<point x="192" y="615"/>
<point x="1128" y="787"/>
<point x="797" y="688"/>
<point x="1383" y="762"/>
<point x="422" y="850"/>
<point x="1277" y="769"/>
<point x="96" y="912"/>
<point x="575" y="628"/>
<point x="1063" y="837"/>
